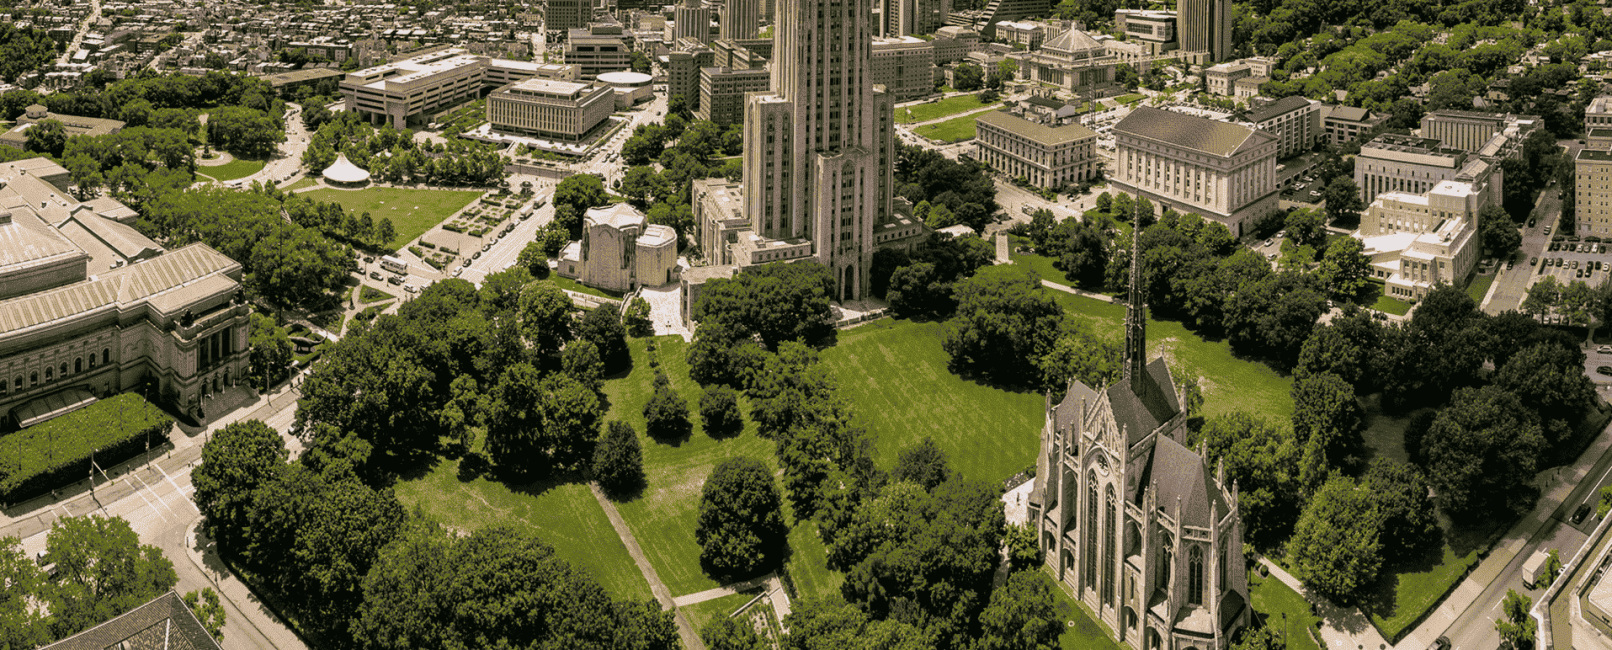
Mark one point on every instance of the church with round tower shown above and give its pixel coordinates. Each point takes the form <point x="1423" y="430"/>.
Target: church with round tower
<point x="1132" y="520"/>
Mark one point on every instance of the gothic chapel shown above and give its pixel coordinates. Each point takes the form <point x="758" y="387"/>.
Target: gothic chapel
<point x="1132" y="520"/>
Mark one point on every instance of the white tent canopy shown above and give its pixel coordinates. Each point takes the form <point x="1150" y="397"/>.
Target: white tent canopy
<point x="344" y="171"/>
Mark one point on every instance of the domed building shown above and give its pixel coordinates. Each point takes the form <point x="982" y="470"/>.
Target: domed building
<point x="620" y="251"/>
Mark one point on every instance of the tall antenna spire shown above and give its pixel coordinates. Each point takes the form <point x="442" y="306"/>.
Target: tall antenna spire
<point x="1135" y="311"/>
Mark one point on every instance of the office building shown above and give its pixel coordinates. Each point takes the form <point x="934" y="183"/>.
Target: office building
<point x="751" y="54"/>
<point x="72" y="125"/>
<point x="1497" y="135"/>
<point x="914" y="17"/>
<point x="905" y="66"/>
<point x="565" y="15"/>
<point x="1402" y="163"/>
<point x="1345" y="124"/>
<point x="1598" y="123"/>
<point x="691" y="19"/>
<point x="1130" y="519"/>
<point x="683" y="67"/>
<point x="404" y="92"/>
<point x="1204" y="30"/>
<point x="952" y="43"/>
<point x="90" y="307"/>
<point x="1295" y="121"/>
<point x="549" y="109"/>
<point x="1221" y="78"/>
<point x="1592" y="187"/>
<point x="1418" y="241"/>
<point x="601" y="48"/>
<point x="820" y="147"/>
<point x="1046" y="155"/>
<point x="1152" y="28"/>
<point x="984" y="21"/>
<point x="1025" y="33"/>
<point x="1223" y="171"/>
<point x="741" y="19"/>
<point x="722" y="92"/>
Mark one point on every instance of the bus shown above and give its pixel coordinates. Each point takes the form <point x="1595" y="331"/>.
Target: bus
<point x="394" y="265"/>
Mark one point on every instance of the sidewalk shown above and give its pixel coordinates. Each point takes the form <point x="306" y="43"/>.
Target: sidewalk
<point x="1342" y="627"/>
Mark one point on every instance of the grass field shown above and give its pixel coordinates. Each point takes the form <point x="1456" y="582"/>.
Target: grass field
<point x="301" y="183"/>
<point x="1081" y="631"/>
<point x="701" y="613"/>
<point x="1274" y="599"/>
<point x="1229" y="383"/>
<point x="1130" y="99"/>
<point x="1390" y="305"/>
<point x="938" y="109"/>
<point x="894" y="373"/>
<point x="565" y="515"/>
<point x="1042" y="266"/>
<point x="956" y="129"/>
<point x="368" y="294"/>
<point x="232" y="170"/>
<point x="1479" y="287"/>
<point x="663" y="517"/>
<point x="1400" y="598"/>
<point x="412" y="211"/>
<point x="808" y="564"/>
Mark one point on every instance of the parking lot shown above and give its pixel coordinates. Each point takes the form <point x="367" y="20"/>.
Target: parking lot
<point x="1575" y="262"/>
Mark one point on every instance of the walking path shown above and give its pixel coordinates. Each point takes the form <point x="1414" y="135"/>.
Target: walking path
<point x="725" y="590"/>
<point x="1068" y="289"/>
<point x="662" y="595"/>
<point x="1341" y="627"/>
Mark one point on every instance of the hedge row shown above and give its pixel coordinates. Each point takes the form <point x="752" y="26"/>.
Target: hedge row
<point x="113" y="429"/>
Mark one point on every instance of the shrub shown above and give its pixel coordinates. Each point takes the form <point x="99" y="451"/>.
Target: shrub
<point x="666" y="414"/>
<point x="719" y="409"/>
<point x="453" y="227"/>
<point x="428" y="244"/>
<point x="417" y="251"/>
<point x="55" y="453"/>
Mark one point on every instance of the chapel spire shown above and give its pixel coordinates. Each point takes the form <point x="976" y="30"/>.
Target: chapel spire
<point x="1135" y="311"/>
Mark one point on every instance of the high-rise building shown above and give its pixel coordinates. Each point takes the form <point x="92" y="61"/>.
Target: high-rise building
<point x="909" y="17"/>
<point x="1204" y="26"/>
<point x="562" y="15"/>
<point x="691" y="19"/>
<point x="741" y="19"/>
<point x="820" y="146"/>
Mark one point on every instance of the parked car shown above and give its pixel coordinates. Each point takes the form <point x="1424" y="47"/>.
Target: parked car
<point x="1605" y="349"/>
<point x="1554" y="246"/>
<point x="1533" y="261"/>
<point x="1547" y="230"/>
<point x="369" y="259"/>
<point x="1442" y="643"/>
<point x="409" y="288"/>
<point x="374" y="275"/>
<point x="1582" y="512"/>
<point x="1510" y="263"/>
<point x="394" y="280"/>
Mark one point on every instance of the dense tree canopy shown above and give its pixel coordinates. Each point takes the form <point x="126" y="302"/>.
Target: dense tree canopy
<point x="1336" y="547"/>
<point x="777" y="302"/>
<point x="102" y="571"/>
<point x="1481" y="452"/>
<point x="1005" y="320"/>
<point x="236" y="461"/>
<point x="741" y="528"/>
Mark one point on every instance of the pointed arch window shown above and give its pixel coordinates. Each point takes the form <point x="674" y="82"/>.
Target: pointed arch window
<point x="1110" y="549"/>
<point x="1195" y="575"/>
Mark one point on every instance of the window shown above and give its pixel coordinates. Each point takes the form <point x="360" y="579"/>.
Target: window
<point x="106" y="355"/>
<point x="1091" y="529"/>
<point x="78" y="365"/>
<point x="1195" y="575"/>
<point x="64" y="369"/>
<point x="48" y="374"/>
<point x="1111" y="551"/>
<point x="33" y="379"/>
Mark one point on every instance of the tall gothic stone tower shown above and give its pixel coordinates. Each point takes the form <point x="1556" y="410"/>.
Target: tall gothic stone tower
<point x="819" y="148"/>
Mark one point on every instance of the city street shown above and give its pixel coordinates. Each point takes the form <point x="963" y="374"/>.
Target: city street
<point x="505" y="250"/>
<point x="1511" y="287"/>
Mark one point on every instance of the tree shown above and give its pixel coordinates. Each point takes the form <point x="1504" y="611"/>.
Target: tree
<point x="740" y="528"/>
<point x="833" y="624"/>
<point x="1403" y="500"/>
<point x="914" y="291"/>
<point x="603" y="327"/>
<point x="1005" y="320"/>
<point x="1274" y="315"/>
<point x="1342" y="197"/>
<point x="778" y="302"/>
<point x="22" y="623"/>
<point x="102" y="572"/>
<point x="1549" y="378"/>
<point x="535" y="422"/>
<point x="1306" y="227"/>
<point x="208" y="610"/>
<point x="719" y="410"/>
<point x="1481" y="452"/>
<point x="244" y="131"/>
<point x="923" y="463"/>
<point x="643" y="186"/>
<point x="666" y="412"/>
<point x="580" y="361"/>
<point x="1327" y="415"/>
<point x="1345" y="270"/>
<point x="1080" y="355"/>
<point x="1022" y="615"/>
<point x="576" y="194"/>
<point x="618" y="463"/>
<point x="636" y="318"/>
<point x="48" y="137"/>
<point x="640" y="63"/>
<point x="271" y="350"/>
<point x="1499" y="233"/>
<point x="534" y="258"/>
<point x="1517" y="629"/>
<point x="236" y="461"/>
<point x="727" y="633"/>
<point x="967" y="76"/>
<point x="1336" y="548"/>
<point x="1263" y="459"/>
<point x="545" y="315"/>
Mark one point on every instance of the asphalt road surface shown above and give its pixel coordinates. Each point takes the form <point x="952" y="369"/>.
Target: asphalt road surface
<point x="1511" y="287"/>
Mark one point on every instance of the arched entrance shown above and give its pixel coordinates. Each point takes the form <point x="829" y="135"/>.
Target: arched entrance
<point x="848" y="283"/>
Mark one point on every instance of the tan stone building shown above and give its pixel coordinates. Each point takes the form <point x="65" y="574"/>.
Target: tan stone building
<point x="1073" y="61"/>
<point x="620" y="251"/>
<point x="905" y="66"/>
<point x="722" y="92"/>
<point x="1222" y="78"/>
<point x="92" y="308"/>
<point x="1295" y="121"/>
<point x="1047" y="156"/>
<point x="1402" y="163"/>
<point x="1416" y="241"/>
<point x="1132" y="520"/>
<point x="558" y="110"/>
<point x="403" y="92"/>
<point x="1222" y="171"/>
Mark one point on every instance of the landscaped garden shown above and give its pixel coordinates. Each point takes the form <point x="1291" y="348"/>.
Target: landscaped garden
<point x="368" y="294"/>
<point x="572" y="285"/>
<point x="412" y="211"/>
<point x="1285" y="608"/>
<point x="58" y="452"/>
<point x="941" y="108"/>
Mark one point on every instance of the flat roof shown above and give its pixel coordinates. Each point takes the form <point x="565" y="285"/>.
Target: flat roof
<point x="550" y="87"/>
<point x="1595" y="155"/>
<point x="1041" y="133"/>
<point x="307" y="74"/>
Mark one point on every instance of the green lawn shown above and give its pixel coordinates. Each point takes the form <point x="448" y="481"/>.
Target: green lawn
<point x="1274" y="599"/>
<point x="894" y="374"/>
<point x="1479" y="287"/>
<point x="1042" y="266"/>
<point x="1229" y="383"/>
<point x="573" y="285"/>
<point x="701" y="613"/>
<point x="956" y="129"/>
<point x="1391" y="305"/>
<point x="232" y="170"/>
<point x="1081" y="631"/>
<point x="301" y="183"/>
<point x="412" y="211"/>
<point x="808" y="564"/>
<point x="565" y="515"/>
<point x="1131" y="98"/>
<point x="1400" y="598"/>
<point x="663" y="518"/>
<point x="938" y="109"/>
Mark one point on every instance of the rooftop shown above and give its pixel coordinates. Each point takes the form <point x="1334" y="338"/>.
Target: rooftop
<point x="165" y="623"/>
<point x="552" y="87"/>
<point x="177" y="271"/>
<point x="1278" y="108"/>
<point x="1200" y="134"/>
<point x="1040" y="133"/>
